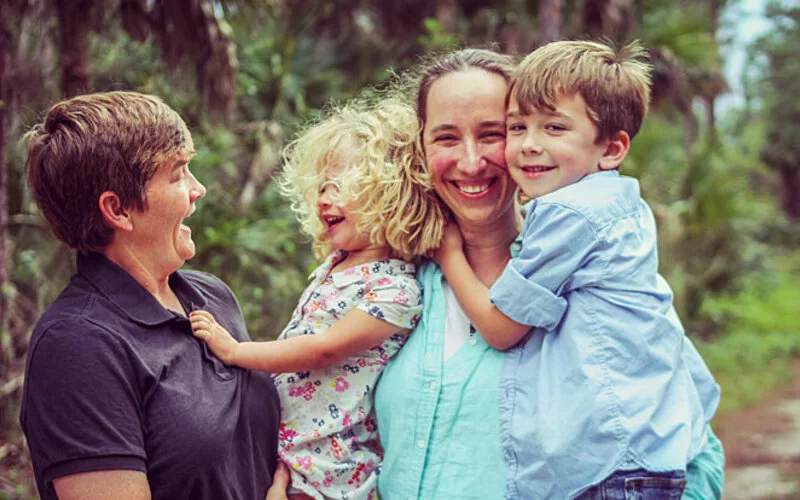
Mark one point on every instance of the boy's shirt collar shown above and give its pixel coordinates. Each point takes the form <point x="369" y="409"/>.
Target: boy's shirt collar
<point x="516" y="245"/>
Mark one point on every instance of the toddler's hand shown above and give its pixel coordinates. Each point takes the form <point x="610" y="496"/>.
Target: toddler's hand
<point x="221" y="343"/>
<point x="451" y="242"/>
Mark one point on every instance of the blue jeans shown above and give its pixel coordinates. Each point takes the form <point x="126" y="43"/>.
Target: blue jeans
<point x="638" y="485"/>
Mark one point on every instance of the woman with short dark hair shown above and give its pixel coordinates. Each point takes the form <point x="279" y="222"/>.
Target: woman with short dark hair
<point x="120" y="399"/>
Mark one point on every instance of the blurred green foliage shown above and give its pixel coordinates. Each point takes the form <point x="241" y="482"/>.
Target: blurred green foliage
<point x="761" y="339"/>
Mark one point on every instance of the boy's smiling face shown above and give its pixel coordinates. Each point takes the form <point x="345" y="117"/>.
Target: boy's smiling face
<point x="548" y="150"/>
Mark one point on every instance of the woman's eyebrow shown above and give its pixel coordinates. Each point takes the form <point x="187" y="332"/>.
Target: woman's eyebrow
<point x="493" y="123"/>
<point x="442" y="128"/>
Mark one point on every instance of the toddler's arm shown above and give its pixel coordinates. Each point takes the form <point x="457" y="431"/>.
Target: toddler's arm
<point x="357" y="331"/>
<point x="497" y="329"/>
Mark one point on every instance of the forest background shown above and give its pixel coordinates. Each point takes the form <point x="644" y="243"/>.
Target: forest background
<point x="725" y="186"/>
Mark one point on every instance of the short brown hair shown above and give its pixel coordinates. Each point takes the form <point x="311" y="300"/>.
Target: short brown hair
<point x="614" y="81"/>
<point x="86" y="145"/>
<point x="460" y="60"/>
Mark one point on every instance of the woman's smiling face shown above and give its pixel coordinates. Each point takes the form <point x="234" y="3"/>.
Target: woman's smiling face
<point x="464" y="140"/>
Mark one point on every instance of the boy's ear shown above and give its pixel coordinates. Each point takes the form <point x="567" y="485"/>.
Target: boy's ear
<point x="616" y="149"/>
<point x="114" y="215"/>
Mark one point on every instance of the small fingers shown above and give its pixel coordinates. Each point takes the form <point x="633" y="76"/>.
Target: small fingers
<point x="201" y="314"/>
<point x="200" y="324"/>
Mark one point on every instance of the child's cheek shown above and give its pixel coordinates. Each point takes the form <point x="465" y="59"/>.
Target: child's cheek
<point x="511" y="150"/>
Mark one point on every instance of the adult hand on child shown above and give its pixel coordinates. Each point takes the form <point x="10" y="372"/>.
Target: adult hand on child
<point x="221" y="343"/>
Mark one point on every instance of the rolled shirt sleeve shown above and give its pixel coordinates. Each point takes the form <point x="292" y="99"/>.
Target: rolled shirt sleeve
<point x="85" y="415"/>
<point x="555" y="258"/>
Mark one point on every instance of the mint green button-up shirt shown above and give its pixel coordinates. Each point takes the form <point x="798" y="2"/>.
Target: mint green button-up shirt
<point x="438" y="420"/>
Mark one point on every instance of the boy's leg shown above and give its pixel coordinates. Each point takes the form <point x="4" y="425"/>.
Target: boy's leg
<point x="638" y="485"/>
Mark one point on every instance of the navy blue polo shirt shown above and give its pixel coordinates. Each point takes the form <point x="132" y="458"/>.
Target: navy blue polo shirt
<point x="114" y="380"/>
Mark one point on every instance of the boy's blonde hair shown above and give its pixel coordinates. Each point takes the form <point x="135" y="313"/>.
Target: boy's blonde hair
<point x="614" y="81"/>
<point x="384" y="178"/>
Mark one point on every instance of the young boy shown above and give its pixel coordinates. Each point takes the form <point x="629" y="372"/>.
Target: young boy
<point x="617" y="408"/>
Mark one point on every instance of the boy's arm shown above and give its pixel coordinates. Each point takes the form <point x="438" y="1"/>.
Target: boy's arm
<point x="561" y="253"/>
<point x="497" y="329"/>
<point x="557" y="243"/>
<point x="357" y="331"/>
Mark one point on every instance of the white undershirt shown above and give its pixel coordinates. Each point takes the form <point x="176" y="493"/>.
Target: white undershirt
<point x="456" y="323"/>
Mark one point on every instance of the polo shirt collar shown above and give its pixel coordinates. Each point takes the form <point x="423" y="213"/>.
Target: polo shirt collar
<point x="130" y="296"/>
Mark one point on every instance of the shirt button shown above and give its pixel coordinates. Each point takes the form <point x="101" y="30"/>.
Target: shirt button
<point x="433" y="386"/>
<point x="421" y="444"/>
<point x="473" y="342"/>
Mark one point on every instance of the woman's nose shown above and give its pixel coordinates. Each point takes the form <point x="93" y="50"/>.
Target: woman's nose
<point x="198" y="190"/>
<point x="473" y="161"/>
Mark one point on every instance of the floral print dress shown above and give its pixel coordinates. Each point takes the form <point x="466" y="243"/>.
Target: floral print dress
<point x="328" y="434"/>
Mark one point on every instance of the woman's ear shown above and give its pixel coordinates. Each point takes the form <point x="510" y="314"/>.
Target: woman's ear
<point x="114" y="215"/>
<point x="616" y="149"/>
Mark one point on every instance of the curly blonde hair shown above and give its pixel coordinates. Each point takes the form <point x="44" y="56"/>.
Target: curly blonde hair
<point x="383" y="178"/>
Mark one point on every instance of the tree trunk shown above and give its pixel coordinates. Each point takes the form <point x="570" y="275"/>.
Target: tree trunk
<point x="5" y="54"/>
<point x="790" y="195"/>
<point x="550" y="21"/>
<point x="615" y="19"/>
<point x="73" y="49"/>
<point x="711" y="116"/>
<point x="446" y="14"/>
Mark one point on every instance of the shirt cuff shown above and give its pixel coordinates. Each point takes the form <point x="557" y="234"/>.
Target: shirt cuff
<point x="526" y="302"/>
<point x="93" y="464"/>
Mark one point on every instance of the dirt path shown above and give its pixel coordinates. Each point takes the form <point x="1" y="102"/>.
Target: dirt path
<point x="762" y="447"/>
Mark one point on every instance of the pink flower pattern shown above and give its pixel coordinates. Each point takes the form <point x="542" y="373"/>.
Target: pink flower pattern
<point x="328" y="414"/>
<point x="341" y="384"/>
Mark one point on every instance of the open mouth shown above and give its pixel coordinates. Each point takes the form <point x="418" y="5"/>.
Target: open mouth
<point x="184" y="226"/>
<point x="331" y="221"/>
<point x="474" y="188"/>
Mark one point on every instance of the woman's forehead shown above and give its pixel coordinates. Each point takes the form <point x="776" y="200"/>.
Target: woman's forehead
<point x="474" y="93"/>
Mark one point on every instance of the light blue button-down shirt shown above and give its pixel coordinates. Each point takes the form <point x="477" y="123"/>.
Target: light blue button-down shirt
<point x="608" y="380"/>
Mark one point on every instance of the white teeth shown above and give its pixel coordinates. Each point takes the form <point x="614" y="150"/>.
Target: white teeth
<point x="473" y="189"/>
<point x="537" y="169"/>
<point x="331" y="219"/>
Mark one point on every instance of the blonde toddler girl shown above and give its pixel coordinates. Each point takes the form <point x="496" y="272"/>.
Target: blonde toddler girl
<point x="362" y="195"/>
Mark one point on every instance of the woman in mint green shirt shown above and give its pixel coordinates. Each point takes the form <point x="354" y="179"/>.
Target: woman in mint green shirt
<point x="443" y="404"/>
